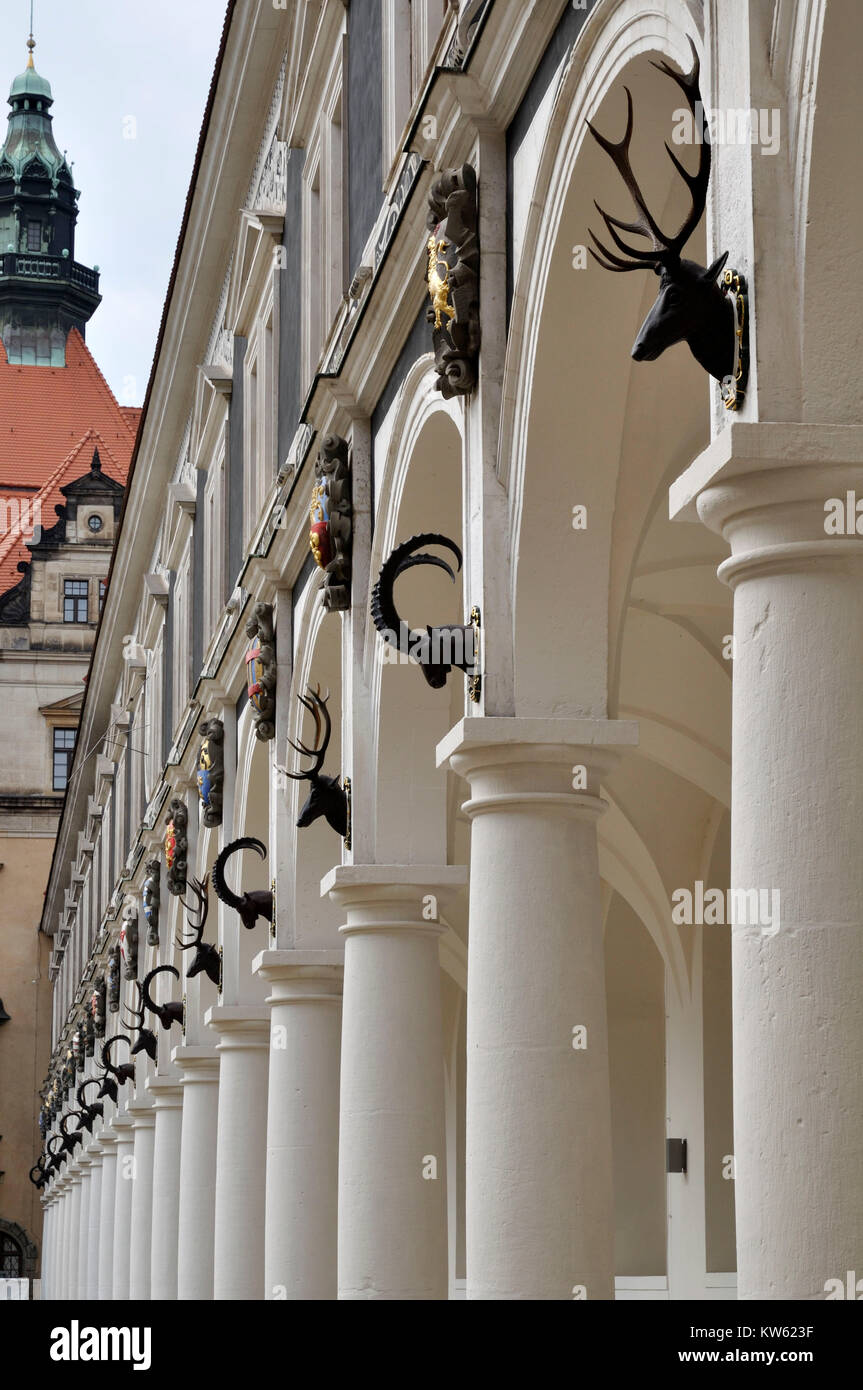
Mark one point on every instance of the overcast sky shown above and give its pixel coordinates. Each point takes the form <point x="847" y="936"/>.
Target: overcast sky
<point x="130" y="81"/>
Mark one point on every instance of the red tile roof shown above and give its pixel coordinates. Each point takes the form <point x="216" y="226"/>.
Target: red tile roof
<point x="51" y="420"/>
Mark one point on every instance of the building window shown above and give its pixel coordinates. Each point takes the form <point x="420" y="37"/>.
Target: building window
<point x="411" y="32"/>
<point x="64" y="748"/>
<point x="34" y="236"/>
<point x="103" y="589"/>
<point x="324" y="226"/>
<point x="75" y="593"/>
<point x="95" y="523"/>
<point x="11" y="1258"/>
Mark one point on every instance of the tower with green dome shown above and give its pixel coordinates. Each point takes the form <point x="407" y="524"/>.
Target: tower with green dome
<point x="44" y="292"/>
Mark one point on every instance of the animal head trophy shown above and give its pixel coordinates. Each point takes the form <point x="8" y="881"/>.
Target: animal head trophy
<point x="125" y="1072"/>
<point x="327" y="797"/>
<point x="41" y="1171"/>
<point x="56" y="1157"/>
<point x="146" y="1039"/>
<point x="438" y="649"/>
<point x="71" y="1141"/>
<point x="150" y="896"/>
<point x="89" y="1112"/>
<point x="251" y="906"/>
<point x="169" y="1013"/>
<point x="206" y="956"/>
<point x="690" y="306"/>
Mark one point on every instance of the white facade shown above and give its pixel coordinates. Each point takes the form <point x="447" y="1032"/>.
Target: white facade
<point x="451" y="1067"/>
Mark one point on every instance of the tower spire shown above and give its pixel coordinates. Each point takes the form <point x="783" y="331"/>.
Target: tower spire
<point x="31" y="42"/>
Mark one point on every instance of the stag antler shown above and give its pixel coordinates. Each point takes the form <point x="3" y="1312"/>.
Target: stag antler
<point x="206" y="955"/>
<point x="665" y="250"/>
<point x="317" y="707"/>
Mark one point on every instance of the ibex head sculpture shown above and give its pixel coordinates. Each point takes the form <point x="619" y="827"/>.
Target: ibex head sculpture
<point x="41" y="1171"/>
<point x="206" y="956"/>
<point x="146" y="1039"/>
<point x="56" y="1157"/>
<point x="251" y="906"/>
<point x="71" y="1141"/>
<point x="169" y="1013"/>
<point x="126" y="1070"/>
<point x="89" y="1112"/>
<point x="327" y="796"/>
<point x="438" y="649"/>
<point x="691" y="306"/>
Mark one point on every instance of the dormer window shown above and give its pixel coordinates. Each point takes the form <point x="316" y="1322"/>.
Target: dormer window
<point x="34" y="236"/>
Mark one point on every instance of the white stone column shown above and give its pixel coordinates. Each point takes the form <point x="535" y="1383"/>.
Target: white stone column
<point x="94" y="1152"/>
<point x="70" y="1199"/>
<point x="85" y="1165"/>
<point x="140" y="1242"/>
<point x="70" y="1259"/>
<point x="796" y="812"/>
<point x="199" y="1068"/>
<point x="49" y="1210"/>
<point x="167" y="1104"/>
<point x="59" y="1189"/>
<point x="303" y="1123"/>
<point x="539" y="1200"/>
<point x="392" y="1212"/>
<point x="241" y="1150"/>
<point x="105" y="1255"/>
<point x="124" y="1187"/>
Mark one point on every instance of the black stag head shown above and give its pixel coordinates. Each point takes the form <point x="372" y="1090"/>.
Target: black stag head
<point x="251" y="906"/>
<point x="89" y="1112"/>
<point x="146" y="1039"/>
<point x="206" y="956"/>
<point x="690" y="306"/>
<point x="126" y="1070"/>
<point x="327" y="796"/>
<point x="169" y="1013"/>
<point x="439" y="649"/>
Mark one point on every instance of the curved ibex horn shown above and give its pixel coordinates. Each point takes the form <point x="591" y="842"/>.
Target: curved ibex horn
<point x="169" y="1013"/>
<point x="126" y="1070"/>
<point x="38" y="1167"/>
<point x="220" y="885"/>
<point x="393" y="628"/>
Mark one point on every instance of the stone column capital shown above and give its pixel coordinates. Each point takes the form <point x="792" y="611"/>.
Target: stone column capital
<point x="241" y="1027"/>
<point x="536" y="763"/>
<point x="766" y="488"/>
<point x="392" y="897"/>
<point x="196" y="1062"/>
<point x="141" y="1112"/>
<point x="167" y="1092"/>
<point x="301" y="976"/>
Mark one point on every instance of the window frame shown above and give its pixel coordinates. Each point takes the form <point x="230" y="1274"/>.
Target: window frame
<point x="76" y="599"/>
<point x="66" y="751"/>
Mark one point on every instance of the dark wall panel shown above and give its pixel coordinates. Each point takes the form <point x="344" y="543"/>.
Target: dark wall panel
<point x="235" y="467"/>
<point x="365" y="123"/>
<point x="289" y="314"/>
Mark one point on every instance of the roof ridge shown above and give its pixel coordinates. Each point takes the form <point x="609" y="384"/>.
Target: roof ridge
<point x="88" y="358"/>
<point x="13" y="536"/>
